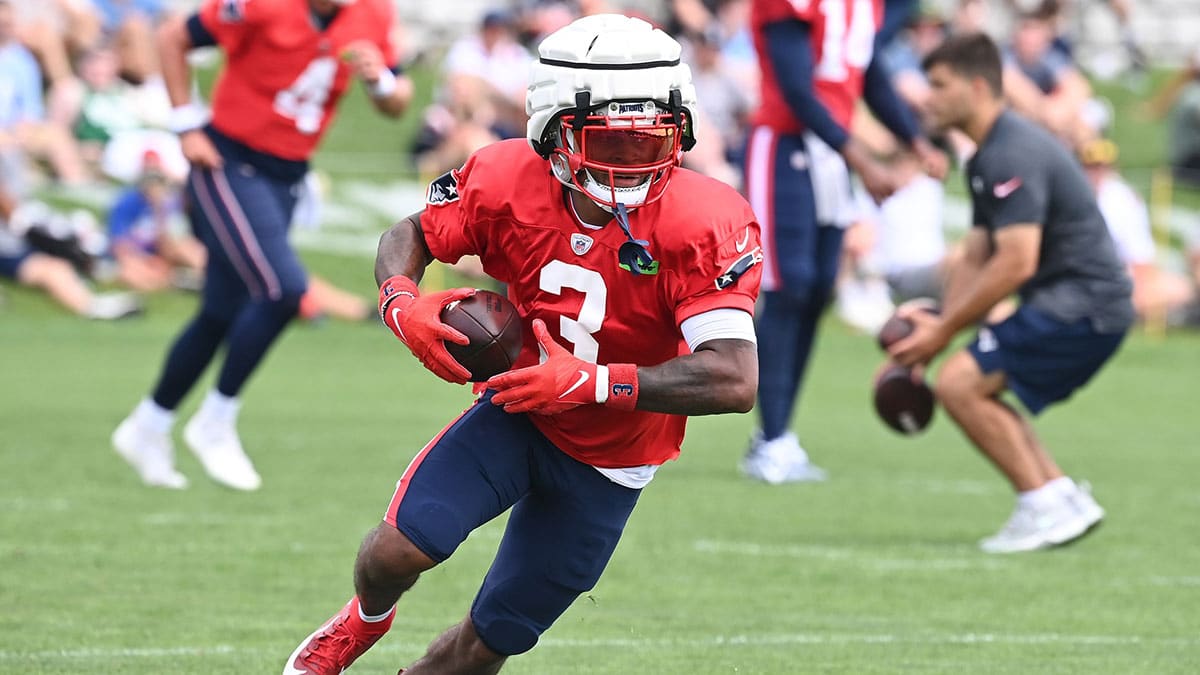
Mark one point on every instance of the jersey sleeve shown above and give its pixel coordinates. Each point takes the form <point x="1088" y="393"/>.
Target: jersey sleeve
<point x="456" y="221"/>
<point x="1015" y="190"/>
<point x="232" y="22"/>
<point x="722" y="270"/>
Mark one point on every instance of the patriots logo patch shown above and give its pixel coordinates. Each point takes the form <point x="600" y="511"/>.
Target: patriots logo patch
<point x="232" y="11"/>
<point x="443" y="189"/>
<point x="739" y="267"/>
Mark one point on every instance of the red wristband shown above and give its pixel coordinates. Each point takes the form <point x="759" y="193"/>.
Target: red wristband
<point x="394" y="287"/>
<point x="622" y="386"/>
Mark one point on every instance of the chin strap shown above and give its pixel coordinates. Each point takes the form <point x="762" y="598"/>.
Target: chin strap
<point x="633" y="255"/>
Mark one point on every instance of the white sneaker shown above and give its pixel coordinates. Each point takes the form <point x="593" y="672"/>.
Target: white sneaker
<point x="150" y="454"/>
<point x="1033" y="528"/>
<point x="780" y="460"/>
<point x="1090" y="513"/>
<point x="112" y="306"/>
<point x="219" y="450"/>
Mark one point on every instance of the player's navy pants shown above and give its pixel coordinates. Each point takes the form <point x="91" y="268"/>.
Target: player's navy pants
<point x="253" y="280"/>
<point x="800" y="268"/>
<point x="565" y="523"/>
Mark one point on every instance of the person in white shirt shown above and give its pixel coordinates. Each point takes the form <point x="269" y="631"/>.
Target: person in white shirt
<point x="1157" y="292"/>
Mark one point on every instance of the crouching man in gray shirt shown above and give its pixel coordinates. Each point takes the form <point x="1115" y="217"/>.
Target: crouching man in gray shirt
<point x="1037" y="232"/>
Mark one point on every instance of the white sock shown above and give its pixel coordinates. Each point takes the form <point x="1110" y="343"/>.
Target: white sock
<point x="219" y="407"/>
<point x="154" y="417"/>
<point x="1040" y="498"/>
<point x="1064" y="486"/>
<point x="375" y="619"/>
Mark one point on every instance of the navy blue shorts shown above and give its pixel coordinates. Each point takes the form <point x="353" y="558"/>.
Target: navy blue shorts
<point x="1043" y="359"/>
<point x="565" y="523"/>
<point x="9" y="264"/>
<point x="243" y="216"/>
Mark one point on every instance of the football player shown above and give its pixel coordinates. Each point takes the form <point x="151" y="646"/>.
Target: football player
<point x="288" y="62"/>
<point x="635" y="281"/>
<point x="1037" y="233"/>
<point x="817" y="62"/>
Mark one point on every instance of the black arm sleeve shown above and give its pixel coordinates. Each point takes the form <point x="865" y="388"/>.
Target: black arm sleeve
<point x="198" y="33"/>
<point x="789" y="46"/>
<point x="883" y="101"/>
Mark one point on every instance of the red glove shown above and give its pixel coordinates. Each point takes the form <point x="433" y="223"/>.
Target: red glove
<point x="416" y="320"/>
<point x="563" y="381"/>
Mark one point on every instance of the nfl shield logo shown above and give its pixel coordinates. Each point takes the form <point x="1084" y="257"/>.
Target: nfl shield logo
<point x="580" y="243"/>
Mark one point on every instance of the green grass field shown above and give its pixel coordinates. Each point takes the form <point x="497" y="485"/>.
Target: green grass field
<point x="873" y="572"/>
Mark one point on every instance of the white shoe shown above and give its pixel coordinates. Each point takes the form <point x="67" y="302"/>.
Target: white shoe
<point x="112" y="306"/>
<point x="220" y="452"/>
<point x="1090" y="513"/>
<point x="780" y="460"/>
<point x="1033" y="528"/>
<point x="150" y="454"/>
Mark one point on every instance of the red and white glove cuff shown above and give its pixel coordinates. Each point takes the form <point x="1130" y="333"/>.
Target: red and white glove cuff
<point x="617" y="385"/>
<point x="395" y="287"/>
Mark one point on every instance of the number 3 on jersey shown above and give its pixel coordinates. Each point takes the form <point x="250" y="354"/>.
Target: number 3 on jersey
<point x="556" y="276"/>
<point x="304" y="101"/>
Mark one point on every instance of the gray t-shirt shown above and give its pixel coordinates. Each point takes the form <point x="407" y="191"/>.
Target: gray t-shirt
<point x="1023" y="174"/>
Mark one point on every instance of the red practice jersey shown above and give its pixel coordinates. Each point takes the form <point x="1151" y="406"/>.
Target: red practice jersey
<point x="504" y="206"/>
<point x="843" y="40"/>
<point x="283" y="77"/>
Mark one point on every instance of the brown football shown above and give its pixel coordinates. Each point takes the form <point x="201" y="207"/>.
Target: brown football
<point x="491" y="322"/>
<point x="904" y="403"/>
<point x="894" y="330"/>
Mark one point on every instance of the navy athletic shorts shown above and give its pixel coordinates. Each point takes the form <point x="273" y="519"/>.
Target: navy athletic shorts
<point x="566" y="518"/>
<point x="1044" y="360"/>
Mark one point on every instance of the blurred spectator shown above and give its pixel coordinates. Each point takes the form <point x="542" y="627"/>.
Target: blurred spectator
<point x="1157" y="293"/>
<point x="56" y="32"/>
<point x="23" y="125"/>
<point x="1180" y="101"/>
<point x="53" y="275"/>
<point x="1042" y="82"/>
<point x="129" y="25"/>
<point x="725" y="108"/>
<point x="149" y="237"/>
<point x="489" y="69"/>
<point x="537" y="19"/>
<point x="114" y="120"/>
<point x="896" y="251"/>
<point x="482" y="98"/>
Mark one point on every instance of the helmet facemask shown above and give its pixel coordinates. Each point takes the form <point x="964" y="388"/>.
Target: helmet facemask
<point x="621" y="152"/>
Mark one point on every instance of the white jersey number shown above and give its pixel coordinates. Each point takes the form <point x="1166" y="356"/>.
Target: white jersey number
<point x="304" y="101"/>
<point x="579" y="331"/>
<point x="846" y="46"/>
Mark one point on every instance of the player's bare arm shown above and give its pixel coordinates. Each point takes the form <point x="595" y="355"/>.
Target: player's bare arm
<point x="1013" y="262"/>
<point x="389" y="93"/>
<point x="721" y="376"/>
<point x="402" y="250"/>
<point x="187" y="117"/>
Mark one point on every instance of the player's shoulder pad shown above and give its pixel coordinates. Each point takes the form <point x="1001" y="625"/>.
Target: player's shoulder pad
<point x="493" y="178"/>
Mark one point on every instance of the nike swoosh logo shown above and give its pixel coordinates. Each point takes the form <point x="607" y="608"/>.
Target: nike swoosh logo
<point x="396" y="323"/>
<point x="1006" y="188"/>
<point x="583" y="377"/>
<point x="741" y="245"/>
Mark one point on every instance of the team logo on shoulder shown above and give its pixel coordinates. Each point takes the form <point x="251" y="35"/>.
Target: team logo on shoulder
<point x="443" y="189"/>
<point x="977" y="184"/>
<point x="581" y="243"/>
<point x="739" y="267"/>
<point x="232" y="11"/>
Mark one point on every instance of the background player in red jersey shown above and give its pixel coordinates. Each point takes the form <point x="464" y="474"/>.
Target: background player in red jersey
<point x="636" y="281"/>
<point x="816" y="58"/>
<point x="288" y="62"/>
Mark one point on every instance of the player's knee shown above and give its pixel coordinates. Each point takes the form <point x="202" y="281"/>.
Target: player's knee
<point x="502" y="634"/>
<point x="955" y="386"/>
<point x="389" y="559"/>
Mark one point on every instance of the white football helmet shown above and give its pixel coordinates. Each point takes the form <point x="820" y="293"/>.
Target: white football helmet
<point x="612" y="107"/>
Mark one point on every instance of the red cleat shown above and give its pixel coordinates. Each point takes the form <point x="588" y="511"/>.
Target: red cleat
<point x="335" y="645"/>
